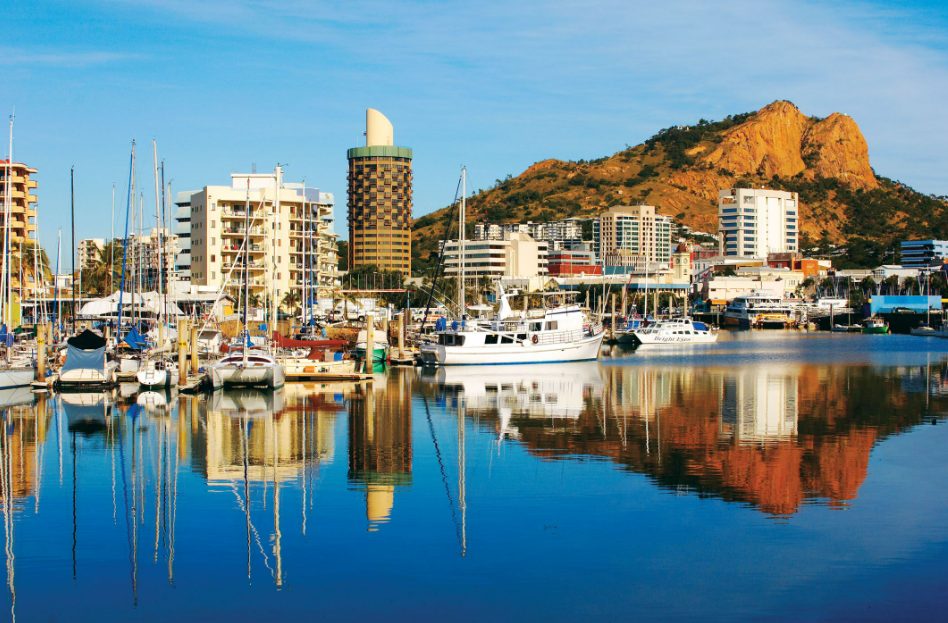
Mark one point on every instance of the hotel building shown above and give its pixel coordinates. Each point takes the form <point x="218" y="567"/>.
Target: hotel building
<point x="632" y="239"/>
<point x="380" y="199"/>
<point x="280" y="237"/>
<point x="755" y="222"/>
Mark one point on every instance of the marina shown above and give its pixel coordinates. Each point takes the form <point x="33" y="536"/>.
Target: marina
<point x="800" y="446"/>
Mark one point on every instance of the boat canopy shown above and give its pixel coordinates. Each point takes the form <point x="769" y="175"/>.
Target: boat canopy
<point x="147" y="302"/>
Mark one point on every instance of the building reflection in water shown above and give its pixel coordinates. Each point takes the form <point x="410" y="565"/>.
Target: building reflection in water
<point x="772" y="436"/>
<point x="380" y="442"/>
<point x="262" y="441"/>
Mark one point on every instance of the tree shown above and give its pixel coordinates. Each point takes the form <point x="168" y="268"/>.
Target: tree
<point x="911" y="285"/>
<point x="291" y="301"/>
<point x="891" y="284"/>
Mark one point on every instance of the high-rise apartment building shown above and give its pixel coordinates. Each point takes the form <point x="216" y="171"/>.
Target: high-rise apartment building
<point x="89" y="249"/>
<point x="755" y="222"/>
<point x="632" y="238"/>
<point x="290" y="235"/>
<point x="17" y="188"/>
<point x="380" y="199"/>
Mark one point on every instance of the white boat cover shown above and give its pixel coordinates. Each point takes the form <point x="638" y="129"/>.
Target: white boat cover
<point x="148" y="302"/>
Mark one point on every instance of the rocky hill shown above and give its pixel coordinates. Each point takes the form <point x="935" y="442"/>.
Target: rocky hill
<point x="681" y="169"/>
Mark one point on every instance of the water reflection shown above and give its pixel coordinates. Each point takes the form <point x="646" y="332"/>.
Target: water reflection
<point x="773" y="435"/>
<point x="133" y="473"/>
<point x="380" y="442"/>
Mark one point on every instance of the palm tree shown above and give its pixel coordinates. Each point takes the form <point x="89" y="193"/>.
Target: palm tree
<point x="291" y="301"/>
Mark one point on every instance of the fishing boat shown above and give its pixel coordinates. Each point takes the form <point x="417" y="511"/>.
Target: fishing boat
<point x="556" y="334"/>
<point x="675" y="331"/>
<point x="761" y="311"/>
<point x="875" y="325"/>
<point x="86" y="367"/>
<point x="379" y="346"/>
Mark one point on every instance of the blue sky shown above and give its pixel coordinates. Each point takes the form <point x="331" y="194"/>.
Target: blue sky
<point x="224" y="84"/>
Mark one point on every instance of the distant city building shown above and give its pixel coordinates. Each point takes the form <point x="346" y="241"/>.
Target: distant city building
<point x="88" y="250"/>
<point x="380" y="199"/>
<point x="632" y="239"/>
<point x="755" y="222"/>
<point x="924" y="253"/>
<point x="562" y="231"/>
<point x="519" y="256"/>
<point x="278" y="240"/>
<point x="15" y="178"/>
<point x="182" y="229"/>
<point x="578" y="259"/>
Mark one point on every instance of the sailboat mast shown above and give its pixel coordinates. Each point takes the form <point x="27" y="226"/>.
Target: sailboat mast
<point x="112" y="244"/>
<point x="128" y="203"/>
<point x="160" y="315"/>
<point x="5" y="312"/>
<point x="247" y="267"/>
<point x="59" y="305"/>
<point x="303" y="245"/>
<point x="72" y="210"/>
<point x="461" y="234"/>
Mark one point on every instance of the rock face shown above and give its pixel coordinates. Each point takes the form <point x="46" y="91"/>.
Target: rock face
<point x="836" y="148"/>
<point x="768" y="144"/>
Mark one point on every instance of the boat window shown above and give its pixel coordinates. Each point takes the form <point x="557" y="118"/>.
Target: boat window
<point x="535" y="326"/>
<point x="506" y="339"/>
<point x="521" y="337"/>
<point x="490" y="338"/>
<point x="552" y="325"/>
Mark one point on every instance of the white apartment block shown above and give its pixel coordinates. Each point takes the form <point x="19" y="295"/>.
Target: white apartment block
<point x="633" y="237"/>
<point x="755" y="222"/>
<point x="559" y="231"/>
<point x="517" y="257"/>
<point x="88" y="251"/>
<point x="182" y="229"/>
<point x="290" y="234"/>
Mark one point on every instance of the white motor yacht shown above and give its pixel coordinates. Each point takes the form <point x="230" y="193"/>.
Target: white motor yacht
<point x="675" y="331"/>
<point x="550" y="335"/>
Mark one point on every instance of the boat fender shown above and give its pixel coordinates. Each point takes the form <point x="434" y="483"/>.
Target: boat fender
<point x="535" y="338"/>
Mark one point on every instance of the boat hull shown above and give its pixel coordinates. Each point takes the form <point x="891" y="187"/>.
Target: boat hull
<point x="236" y="375"/>
<point x="673" y="340"/>
<point x="524" y="352"/>
<point x="84" y="379"/>
<point x="153" y="378"/>
<point x="16" y="377"/>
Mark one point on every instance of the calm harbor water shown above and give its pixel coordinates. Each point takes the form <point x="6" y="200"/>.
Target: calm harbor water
<point x="774" y="476"/>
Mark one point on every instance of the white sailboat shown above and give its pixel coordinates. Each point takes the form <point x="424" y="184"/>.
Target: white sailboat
<point x="249" y="367"/>
<point x="14" y="371"/>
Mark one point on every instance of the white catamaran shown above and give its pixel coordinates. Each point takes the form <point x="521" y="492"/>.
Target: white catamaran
<point x="249" y="367"/>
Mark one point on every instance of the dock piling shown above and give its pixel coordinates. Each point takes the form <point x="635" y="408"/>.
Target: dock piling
<point x="369" y="343"/>
<point x="194" y="348"/>
<point x="41" y="352"/>
<point x="182" y="353"/>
